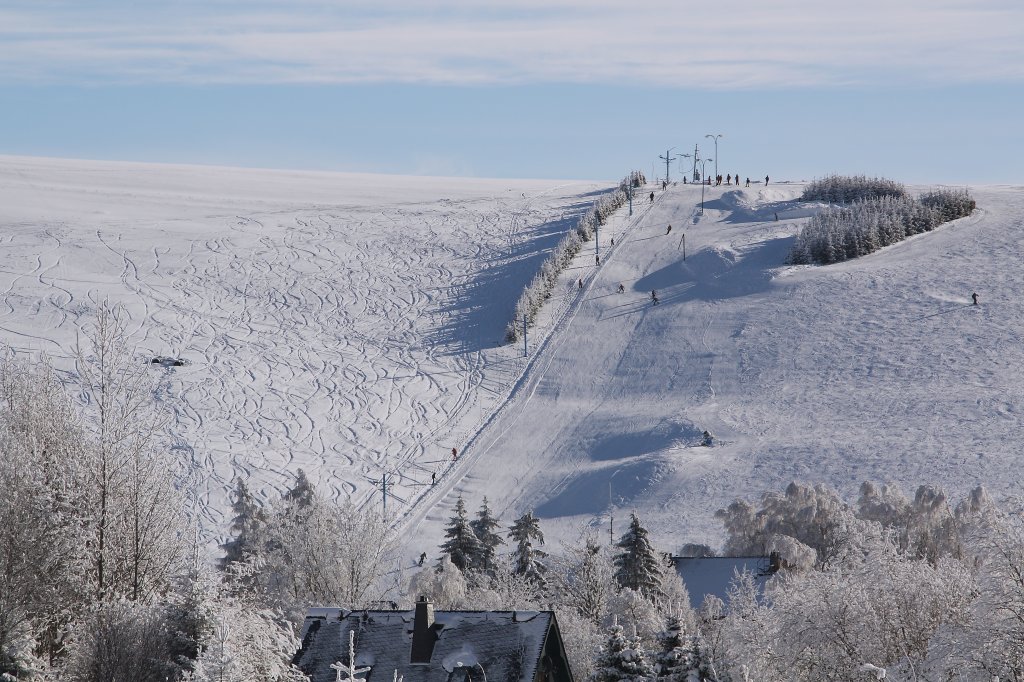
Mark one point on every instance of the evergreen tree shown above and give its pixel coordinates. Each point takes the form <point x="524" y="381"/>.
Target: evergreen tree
<point x="246" y="523"/>
<point x="676" y="660"/>
<point x="637" y="564"/>
<point x="622" y="659"/>
<point x="526" y="557"/>
<point x="462" y="545"/>
<point x="485" y="528"/>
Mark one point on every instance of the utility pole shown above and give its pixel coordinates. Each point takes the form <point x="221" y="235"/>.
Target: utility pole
<point x="611" y="516"/>
<point x="629" y="193"/>
<point x="682" y="243"/>
<point x="668" y="159"/>
<point x="597" y="240"/>
<point x="525" y="352"/>
<point x="384" y="491"/>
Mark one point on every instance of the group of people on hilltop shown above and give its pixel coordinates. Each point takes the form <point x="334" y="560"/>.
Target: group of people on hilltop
<point x="729" y="180"/>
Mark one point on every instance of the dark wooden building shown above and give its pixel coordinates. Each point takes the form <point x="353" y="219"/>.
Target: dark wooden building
<point x="424" y="645"/>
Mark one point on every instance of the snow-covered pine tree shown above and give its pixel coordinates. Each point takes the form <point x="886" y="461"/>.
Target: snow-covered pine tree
<point x="526" y="557"/>
<point x="249" y="518"/>
<point x="485" y="527"/>
<point x="675" y="661"/>
<point x="622" y="659"/>
<point x="461" y="545"/>
<point x="637" y="564"/>
<point x="584" y="579"/>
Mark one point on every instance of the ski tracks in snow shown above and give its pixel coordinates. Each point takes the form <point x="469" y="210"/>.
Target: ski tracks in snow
<point x="310" y="335"/>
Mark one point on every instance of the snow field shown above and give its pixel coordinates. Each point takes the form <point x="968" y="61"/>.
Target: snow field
<point x="346" y="324"/>
<point x="338" y="323"/>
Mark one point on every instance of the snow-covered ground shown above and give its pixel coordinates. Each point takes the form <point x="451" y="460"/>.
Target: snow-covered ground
<point x="343" y="324"/>
<point x="876" y="369"/>
<point x="347" y="324"/>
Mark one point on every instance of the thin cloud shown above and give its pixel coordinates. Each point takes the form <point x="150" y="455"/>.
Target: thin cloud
<point x="739" y="44"/>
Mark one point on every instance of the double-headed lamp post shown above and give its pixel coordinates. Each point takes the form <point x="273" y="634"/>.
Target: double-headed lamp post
<point x="715" y="138"/>
<point x="703" y="176"/>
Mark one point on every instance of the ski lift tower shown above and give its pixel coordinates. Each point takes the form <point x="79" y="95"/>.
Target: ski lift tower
<point x="667" y="159"/>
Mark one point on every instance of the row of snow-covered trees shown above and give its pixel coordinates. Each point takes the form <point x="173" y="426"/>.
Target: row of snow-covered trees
<point x="873" y="221"/>
<point x="101" y="573"/>
<point x="919" y="588"/>
<point x="845" y="189"/>
<point x="91" y="523"/>
<point x="543" y="283"/>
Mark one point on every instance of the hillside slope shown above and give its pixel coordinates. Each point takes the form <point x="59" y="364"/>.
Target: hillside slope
<point x="875" y="369"/>
<point x="344" y="324"/>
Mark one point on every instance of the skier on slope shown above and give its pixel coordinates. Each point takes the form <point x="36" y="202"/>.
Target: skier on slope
<point x="652" y="197"/>
<point x="621" y="288"/>
<point x="766" y="181"/>
<point x="669" y="230"/>
<point x="654" y="297"/>
<point x="455" y="454"/>
<point x="974" y="297"/>
<point x="581" y="283"/>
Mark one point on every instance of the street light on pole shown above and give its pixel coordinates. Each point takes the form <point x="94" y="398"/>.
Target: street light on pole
<point x="715" y="138"/>
<point x="703" y="174"/>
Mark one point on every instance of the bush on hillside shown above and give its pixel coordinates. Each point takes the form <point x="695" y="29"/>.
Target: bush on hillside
<point x="543" y="283"/>
<point x="843" y="232"/>
<point x="845" y="189"/>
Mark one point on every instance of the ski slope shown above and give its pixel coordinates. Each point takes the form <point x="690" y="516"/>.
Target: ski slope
<point x="875" y="369"/>
<point x="348" y="325"/>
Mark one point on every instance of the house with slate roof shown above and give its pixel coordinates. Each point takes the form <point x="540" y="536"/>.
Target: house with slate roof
<point x="712" y="576"/>
<point x="425" y="645"/>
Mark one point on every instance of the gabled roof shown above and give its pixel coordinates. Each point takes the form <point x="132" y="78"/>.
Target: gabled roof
<point x="705" y="576"/>
<point x="506" y="644"/>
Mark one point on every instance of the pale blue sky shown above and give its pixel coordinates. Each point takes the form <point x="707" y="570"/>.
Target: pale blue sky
<point x="918" y="90"/>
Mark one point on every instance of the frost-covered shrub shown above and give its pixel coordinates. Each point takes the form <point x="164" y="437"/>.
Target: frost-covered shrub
<point x="540" y="287"/>
<point x="844" y="189"/>
<point x="843" y="232"/>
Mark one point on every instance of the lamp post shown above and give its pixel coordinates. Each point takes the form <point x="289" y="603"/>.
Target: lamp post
<point x="715" y="138"/>
<point x="703" y="175"/>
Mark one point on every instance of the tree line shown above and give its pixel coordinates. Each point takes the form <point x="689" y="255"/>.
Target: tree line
<point x="543" y="283"/>
<point x="869" y="214"/>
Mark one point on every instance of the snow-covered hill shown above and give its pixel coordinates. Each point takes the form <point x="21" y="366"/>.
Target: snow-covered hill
<point x="347" y="324"/>
<point x="876" y="369"/>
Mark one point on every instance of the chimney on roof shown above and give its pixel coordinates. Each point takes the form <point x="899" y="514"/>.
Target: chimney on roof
<point x="423" y="633"/>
